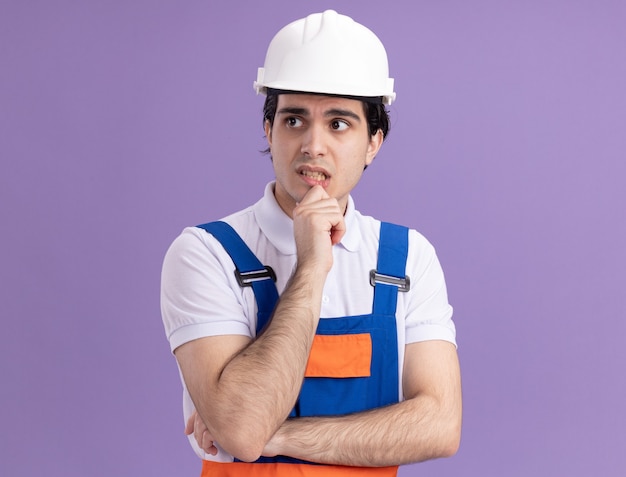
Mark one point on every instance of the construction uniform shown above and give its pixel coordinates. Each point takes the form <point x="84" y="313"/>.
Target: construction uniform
<point x="375" y="302"/>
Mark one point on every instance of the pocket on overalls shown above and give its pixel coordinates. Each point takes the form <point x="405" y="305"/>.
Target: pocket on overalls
<point x="340" y="356"/>
<point x="337" y="376"/>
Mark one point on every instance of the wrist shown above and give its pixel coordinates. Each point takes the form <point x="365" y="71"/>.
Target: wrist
<point x="316" y="268"/>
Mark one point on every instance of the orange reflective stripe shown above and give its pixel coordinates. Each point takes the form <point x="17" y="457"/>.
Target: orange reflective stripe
<point x="244" y="469"/>
<point x="340" y="356"/>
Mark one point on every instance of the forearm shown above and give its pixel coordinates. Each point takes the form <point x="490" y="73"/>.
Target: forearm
<point x="411" y="431"/>
<point x="258" y="386"/>
<point x="243" y="389"/>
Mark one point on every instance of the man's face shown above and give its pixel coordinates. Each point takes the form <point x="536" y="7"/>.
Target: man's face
<point x="319" y="140"/>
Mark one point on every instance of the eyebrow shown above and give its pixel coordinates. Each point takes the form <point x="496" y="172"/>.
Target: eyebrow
<point x="329" y="113"/>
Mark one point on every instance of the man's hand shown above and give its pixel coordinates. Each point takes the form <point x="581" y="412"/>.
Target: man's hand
<point x="196" y="426"/>
<point x="318" y="225"/>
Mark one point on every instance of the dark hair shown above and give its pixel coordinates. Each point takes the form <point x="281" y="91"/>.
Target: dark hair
<point x="375" y="112"/>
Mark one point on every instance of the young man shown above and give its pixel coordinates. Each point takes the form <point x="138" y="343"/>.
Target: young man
<point x="325" y="337"/>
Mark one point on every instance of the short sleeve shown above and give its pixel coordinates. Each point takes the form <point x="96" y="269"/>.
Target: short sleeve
<point x="199" y="293"/>
<point x="428" y="313"/>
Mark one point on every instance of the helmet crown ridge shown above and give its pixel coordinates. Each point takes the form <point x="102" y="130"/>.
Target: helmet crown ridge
<point x="327" y="53"/>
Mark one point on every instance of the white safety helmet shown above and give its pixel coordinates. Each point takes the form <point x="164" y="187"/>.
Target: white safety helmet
<point x="327" y="53"/>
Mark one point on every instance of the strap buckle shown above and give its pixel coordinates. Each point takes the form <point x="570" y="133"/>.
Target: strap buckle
<point x="403" y="284"/>
<point x="246" y="279"/>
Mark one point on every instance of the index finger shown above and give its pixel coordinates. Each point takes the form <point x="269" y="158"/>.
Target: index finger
<point x="314" y="194"/>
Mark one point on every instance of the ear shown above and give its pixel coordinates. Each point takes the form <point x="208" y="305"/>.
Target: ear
<point x="268" y="132"/>
<point x="376" y="141"/>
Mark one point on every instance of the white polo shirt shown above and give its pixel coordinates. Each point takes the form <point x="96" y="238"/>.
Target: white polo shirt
<point x="200" y="295"/>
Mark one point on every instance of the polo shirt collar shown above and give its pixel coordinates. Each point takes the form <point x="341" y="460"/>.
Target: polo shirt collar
<point x="278" y="226"/>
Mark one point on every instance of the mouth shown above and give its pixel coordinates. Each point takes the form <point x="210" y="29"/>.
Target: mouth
<point x="317" y="176"/>
<point x="314" y="175"/>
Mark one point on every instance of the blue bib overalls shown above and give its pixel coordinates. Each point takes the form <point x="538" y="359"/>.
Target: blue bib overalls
<point x="353" y="364"/>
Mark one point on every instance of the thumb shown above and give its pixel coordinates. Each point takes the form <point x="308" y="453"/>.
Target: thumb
<point x="190" y="425"/>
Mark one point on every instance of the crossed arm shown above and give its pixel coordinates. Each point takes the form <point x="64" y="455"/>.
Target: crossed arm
<point x="426" y="425"/>
<point x="243" y="390"/>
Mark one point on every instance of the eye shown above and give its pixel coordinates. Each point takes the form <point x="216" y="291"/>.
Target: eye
<point x="293" y="122"/>
<point x="339" y="125"/>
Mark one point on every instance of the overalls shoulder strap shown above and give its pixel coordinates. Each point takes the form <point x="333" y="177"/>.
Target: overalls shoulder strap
<point x="390" y="275"/>
<point x="248" y="269"/>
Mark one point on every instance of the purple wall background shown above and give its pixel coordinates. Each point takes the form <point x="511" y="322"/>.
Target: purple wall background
<point x="121" y="122"/>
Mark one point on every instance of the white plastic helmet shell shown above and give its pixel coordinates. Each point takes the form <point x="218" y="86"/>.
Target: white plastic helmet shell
<point x="327" y="53"/>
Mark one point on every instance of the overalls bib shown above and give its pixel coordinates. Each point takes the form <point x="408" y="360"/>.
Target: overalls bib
<point x="353" y="364"/>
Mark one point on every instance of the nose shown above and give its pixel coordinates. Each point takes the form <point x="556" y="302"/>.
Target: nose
<point x="314" y="142"/>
